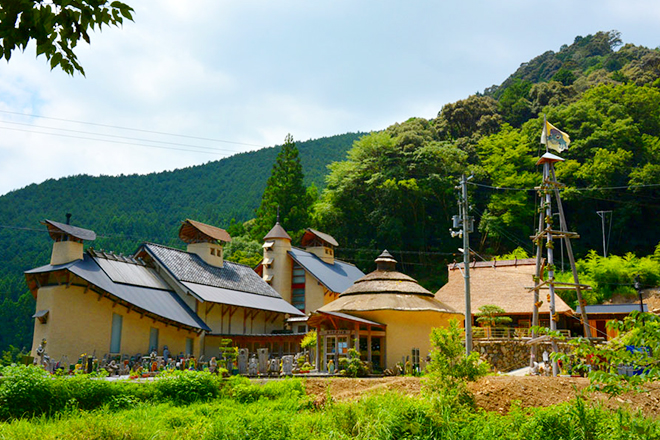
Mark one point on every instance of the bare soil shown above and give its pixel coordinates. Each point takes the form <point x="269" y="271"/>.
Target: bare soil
<point x="493" y="393"/>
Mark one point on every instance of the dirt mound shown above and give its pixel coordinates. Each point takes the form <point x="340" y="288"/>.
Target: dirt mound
<point x="493" y="393"/>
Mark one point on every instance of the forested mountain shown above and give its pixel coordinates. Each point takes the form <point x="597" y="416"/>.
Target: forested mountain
<point x="395" y="188"/>
<point x="128" y="210"/>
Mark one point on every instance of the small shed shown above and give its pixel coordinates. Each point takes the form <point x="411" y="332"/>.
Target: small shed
<point x="600" y="314"/>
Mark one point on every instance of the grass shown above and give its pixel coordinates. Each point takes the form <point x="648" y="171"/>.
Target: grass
<point x="191" y="405"/>
<point x="280" y="410"/>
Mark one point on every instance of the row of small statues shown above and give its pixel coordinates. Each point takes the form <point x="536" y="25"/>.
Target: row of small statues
<point x="260" y="363"/>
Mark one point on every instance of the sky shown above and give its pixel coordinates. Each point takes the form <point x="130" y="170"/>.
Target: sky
<point x="191" y="82"/>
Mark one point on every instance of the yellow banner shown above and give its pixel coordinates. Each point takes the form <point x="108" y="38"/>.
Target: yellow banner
<point x="554" y="138"/>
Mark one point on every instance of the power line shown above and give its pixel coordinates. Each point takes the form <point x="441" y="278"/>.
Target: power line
<point x="115" y="137"/>
<point x="605" y="188"/>
<point x="132" y="129"/>
<point x="116" y="142"/>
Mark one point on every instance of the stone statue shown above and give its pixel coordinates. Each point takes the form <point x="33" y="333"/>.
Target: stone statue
<point x="331" y="367"/>
<point x="262" y="354"/>
<point x="213" y="365"/>
<point x="243" y="357"/>
<point x="166" y="353"/>
<point x="287" y="365"/>
<point x="41" y="351"/>
<point x="253" y="366"/>
<point x="112" y="368"/>
<point x="274" y="367"/>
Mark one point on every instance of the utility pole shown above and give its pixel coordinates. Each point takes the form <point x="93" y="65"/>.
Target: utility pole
<point x="466" y="225"/>
<point x="638" y="288"/>
<point x="602" y="214"/>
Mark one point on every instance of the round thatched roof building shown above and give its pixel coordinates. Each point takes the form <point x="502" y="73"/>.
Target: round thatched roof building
<point x="387" y="312"/>
<point x="386" y="289"/>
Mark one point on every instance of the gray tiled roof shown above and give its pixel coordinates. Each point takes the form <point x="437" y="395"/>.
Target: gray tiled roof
<point x="336" y="277"/>
<point x="187" y="267"/>
<point x="164" y="303"/>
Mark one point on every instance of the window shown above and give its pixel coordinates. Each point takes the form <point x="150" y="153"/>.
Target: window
<point x="298" y="287"/>
<point x="212" y="251"/>
<point x="189" y="346"/>
<point x="153" y="340"/>
<point x="115" y="335"/>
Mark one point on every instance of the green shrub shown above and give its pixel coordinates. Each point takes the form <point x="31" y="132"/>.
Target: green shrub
<point x="353" y="366"/>
<point x="184" y="387"/>
<point x="27" y="391"/>
<point x="450" y="368"/>
<point x="242" y="390"/>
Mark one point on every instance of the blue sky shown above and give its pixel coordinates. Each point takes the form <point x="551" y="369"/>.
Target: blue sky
<point x="201" y="80"/>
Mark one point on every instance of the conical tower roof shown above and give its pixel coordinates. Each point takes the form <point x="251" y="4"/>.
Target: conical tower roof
<point x="277" y="232"/>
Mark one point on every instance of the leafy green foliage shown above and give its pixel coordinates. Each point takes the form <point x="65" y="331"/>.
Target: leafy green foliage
<point x="309" y="341"/>
<point x="613" y="275"/>
<point x="184" y="387"/>
<point x="394" y="191"/>
<point x="491" y="316"/>
<point x="56" y="26"/>
<point x="637" y="346"/>
<point x="352" y="365"/>
<point x="243" y="250"/>
<point x="450" y="368"/>
<point x="285" y="195"/>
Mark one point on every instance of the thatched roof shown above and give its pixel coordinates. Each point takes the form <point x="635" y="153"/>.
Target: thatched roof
<point x="500" y="283"/>
<point x="386" y="289"/>
<point x="388" y="301"/>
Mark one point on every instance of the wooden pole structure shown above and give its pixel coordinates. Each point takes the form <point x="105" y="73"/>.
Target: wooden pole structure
<point x="548" y="234"/>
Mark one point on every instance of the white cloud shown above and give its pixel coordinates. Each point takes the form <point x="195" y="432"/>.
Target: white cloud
<point x="252" y="72"/>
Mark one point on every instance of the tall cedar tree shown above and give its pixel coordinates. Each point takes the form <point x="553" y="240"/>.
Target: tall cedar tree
<point x="284" y="189"/>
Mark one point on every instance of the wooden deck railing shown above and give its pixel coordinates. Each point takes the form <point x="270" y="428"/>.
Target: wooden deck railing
<point x="507" y="333"/>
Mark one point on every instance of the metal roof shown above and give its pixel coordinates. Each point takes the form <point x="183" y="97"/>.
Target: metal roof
<point x="190" y="232"/>
<point x="550" y="158"/>
<point x="56" y="228"/>
<point x="241" y="299"/>
<point x="336" y="277"/>
<point x="164" y="303"/>
<point x="187" y="267"/>
<point x="612" y="308"/>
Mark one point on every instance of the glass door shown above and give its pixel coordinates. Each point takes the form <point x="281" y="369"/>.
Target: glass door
<point x="330" y="351"/>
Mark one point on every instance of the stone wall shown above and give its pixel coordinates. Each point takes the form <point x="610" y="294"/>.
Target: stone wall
<point x="511" y="354"/>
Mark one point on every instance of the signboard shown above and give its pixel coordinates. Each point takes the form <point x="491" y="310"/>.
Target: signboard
<point x="335" y="332"/>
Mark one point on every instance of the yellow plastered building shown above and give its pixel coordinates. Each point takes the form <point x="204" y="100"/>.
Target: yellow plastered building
<point x="156" y="299"/>
<point x="308" y="277"/>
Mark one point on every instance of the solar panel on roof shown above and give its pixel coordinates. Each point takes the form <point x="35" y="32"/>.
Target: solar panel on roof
<point x="133" y="274"/>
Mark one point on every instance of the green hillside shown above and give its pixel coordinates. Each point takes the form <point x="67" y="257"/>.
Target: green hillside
<point x="128" y="210"/>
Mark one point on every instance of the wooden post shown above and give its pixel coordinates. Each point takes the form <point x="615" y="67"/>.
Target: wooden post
<point x="571" y="259"/>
